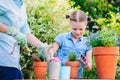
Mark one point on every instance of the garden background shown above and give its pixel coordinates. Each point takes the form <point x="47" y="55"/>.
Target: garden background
<point x="46" y="19"/>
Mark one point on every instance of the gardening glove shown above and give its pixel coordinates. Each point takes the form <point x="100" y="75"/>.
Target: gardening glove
<point x="21" y="38"/>
<point x="46" y="50"/>
<point x="82" y="60"/>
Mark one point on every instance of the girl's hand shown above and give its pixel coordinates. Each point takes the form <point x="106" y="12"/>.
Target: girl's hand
<point x="88" y="67"/>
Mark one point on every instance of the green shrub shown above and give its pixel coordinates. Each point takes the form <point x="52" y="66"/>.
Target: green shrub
<point x="47" y="18"/>
<point x="118" y="69"/>
<point x="91" y="74"/>
<point x="42" y="57"/>
<point x="112" y="21"/>
<point x="71" y="56"/>
<point x="104" y="37"/>
<point x="97" y="8"/>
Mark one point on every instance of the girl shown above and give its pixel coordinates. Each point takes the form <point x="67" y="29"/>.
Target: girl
<point x="74" y="40"/>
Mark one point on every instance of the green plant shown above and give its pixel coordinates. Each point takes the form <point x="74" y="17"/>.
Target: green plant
<point x="97" y="8"/>
<point x="111" y="21"/>
<point x="53" y="19"/>
<point x="72" y="56"/>
<point x="118" y="70"/>
<point x="42" y="57"/>
<point x="91" y="74"/>
<point x="104" y="37"/>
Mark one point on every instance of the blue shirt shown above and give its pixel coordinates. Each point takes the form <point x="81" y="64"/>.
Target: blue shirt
<point x="67" y="44"/>
<point x="12" y="14"/>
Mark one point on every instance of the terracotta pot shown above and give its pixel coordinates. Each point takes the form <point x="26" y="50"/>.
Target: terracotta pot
<point x="74" y="68"/>
<point x="106" y="61"/>
<point x="40" y="69"/>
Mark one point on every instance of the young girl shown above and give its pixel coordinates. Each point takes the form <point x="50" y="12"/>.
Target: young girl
<point x="74" y="40"/>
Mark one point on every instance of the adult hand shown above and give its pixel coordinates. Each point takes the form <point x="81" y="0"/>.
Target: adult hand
<point x="46" y="50"/>
<point x="21" y="38"/>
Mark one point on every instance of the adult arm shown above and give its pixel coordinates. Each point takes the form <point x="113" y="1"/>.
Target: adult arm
<point x="33" y="40"/>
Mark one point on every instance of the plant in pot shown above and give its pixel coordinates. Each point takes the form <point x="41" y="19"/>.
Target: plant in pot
<point x="105" y="52"/>
<point x="72" y="61"/>
<point x="40" y="66"/>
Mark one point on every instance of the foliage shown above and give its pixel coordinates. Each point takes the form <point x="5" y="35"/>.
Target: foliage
<point x="91" y="74"/>
<point x="118" y="70"/>
<point x="47" y="18"/>
<point x="105" y="37"/>
<point x="72" y="56"/>
<point x="112" y="21"/>
<point x="42" y="57"/>
<point x="97" y="8"/>
<point x="25" y="60"/>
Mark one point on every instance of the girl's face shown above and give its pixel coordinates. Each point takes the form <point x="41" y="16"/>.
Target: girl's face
<point x="77" y="29"/>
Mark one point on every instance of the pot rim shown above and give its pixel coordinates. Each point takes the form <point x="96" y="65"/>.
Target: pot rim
<point x="106" y="51"/>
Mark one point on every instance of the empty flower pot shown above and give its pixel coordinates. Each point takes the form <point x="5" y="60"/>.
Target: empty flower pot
<point x="106" y="61"/>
